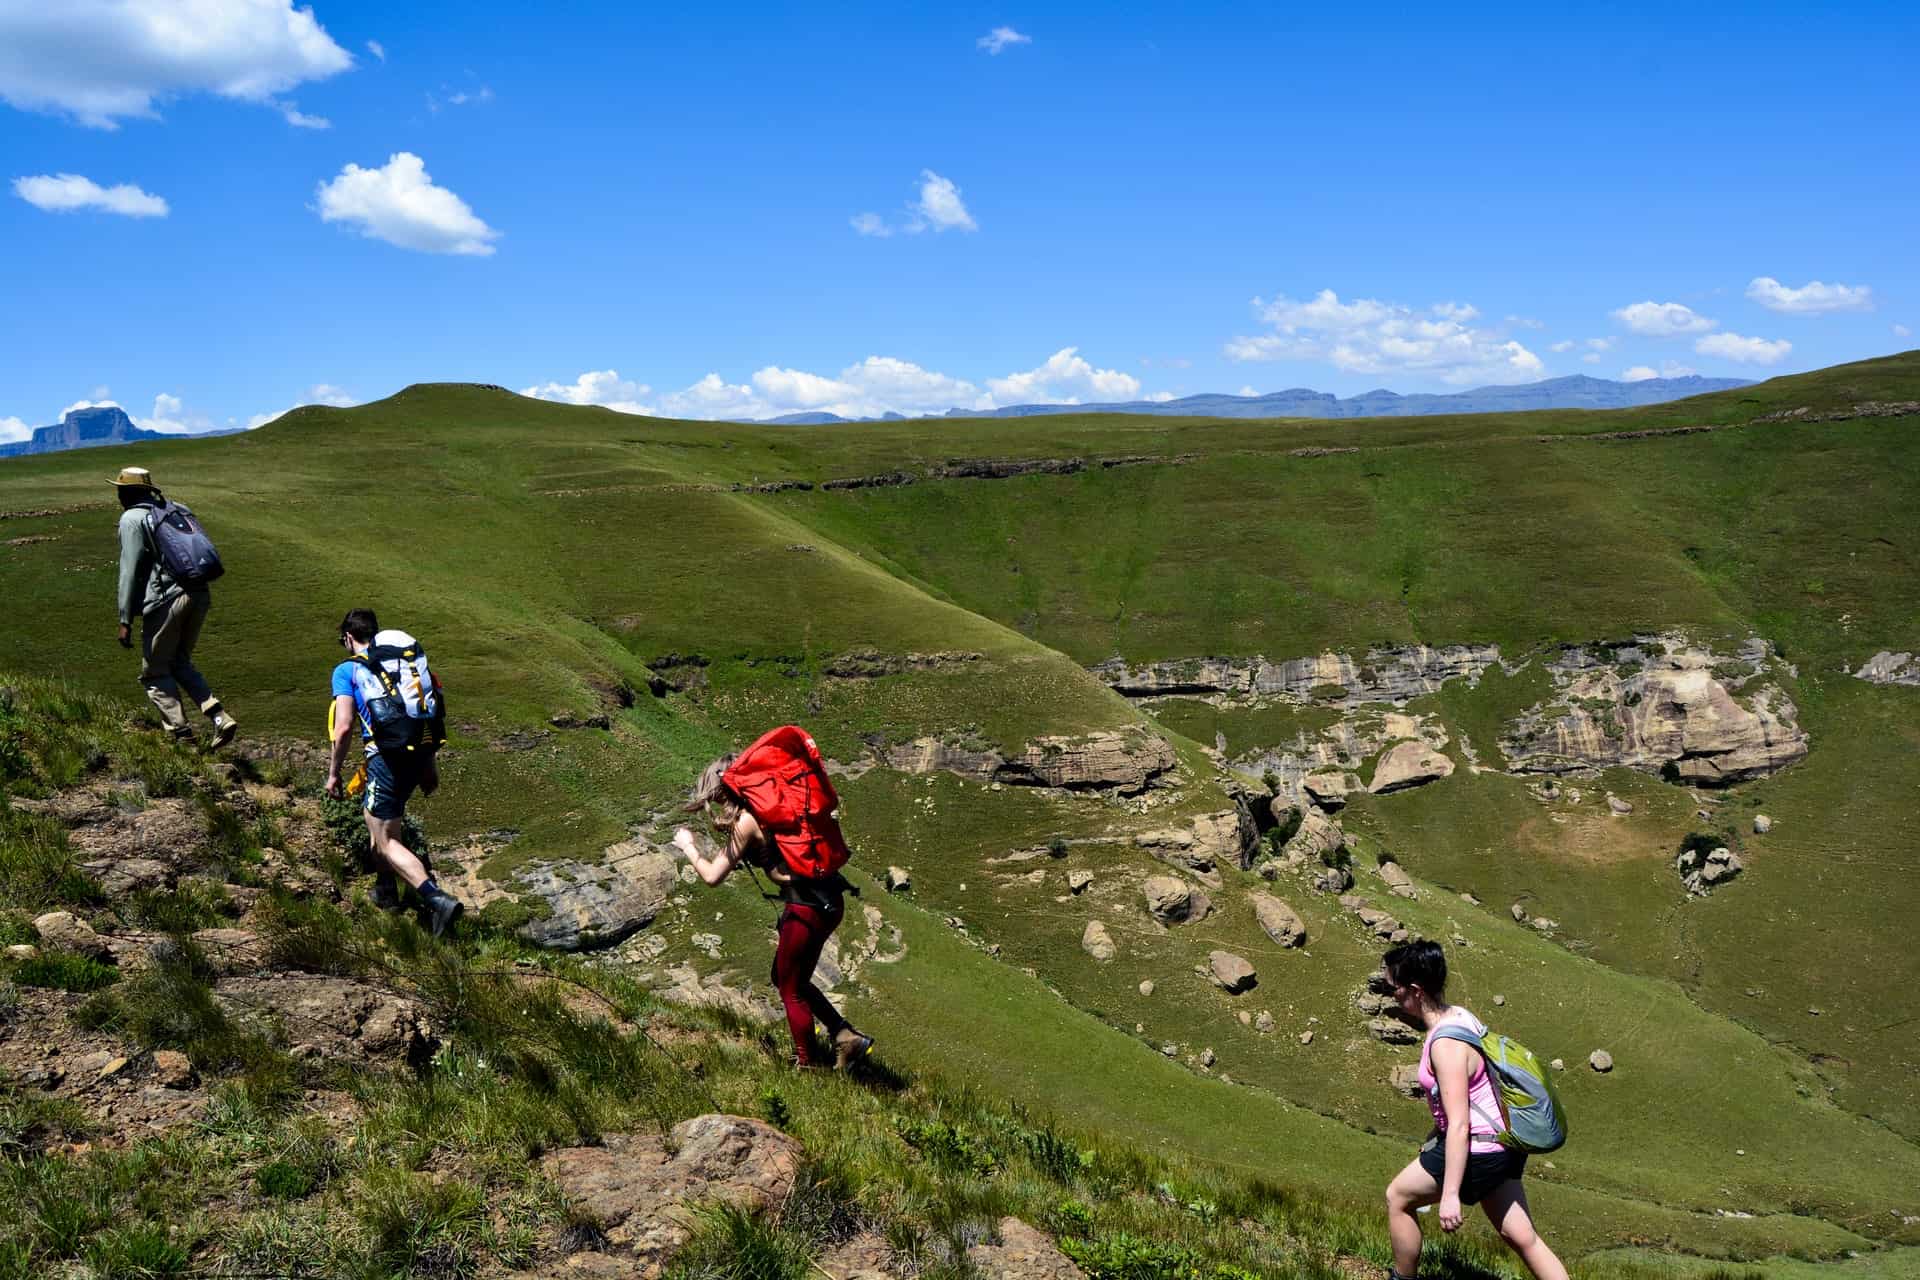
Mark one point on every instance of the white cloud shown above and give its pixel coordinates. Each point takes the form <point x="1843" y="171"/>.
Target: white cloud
<point x="377" y="49"/>
<point x="1811" y="298"/>
<point x="66" y="192"/>
<point x="1592" y="357"/>
<point x="101" y="61"/>
<point x="99" y="401"/>
<point x="870" y="224"/>
<point x="871" y="388"/>
<point x="1159" y="397"/>
<point x="1001" y="38"/>
<point x="1065" y="378"/>
<point x="1667" y="369"/>
<point x="300" y="119"/>
<point x="1563" y="346"/>
<point x="12" y="429"/>
<point x="1662" y="319"/>
<point x="604" y="387"/>
<point x="1731" y="346"/>
<point x="940" y="206"/>
<point x="1373" y="337"/>
<point x="1901" y="331"/>
<point x="1602" y="344"/>
<point x="399" y="203"/>
<point x="459" y="98"/>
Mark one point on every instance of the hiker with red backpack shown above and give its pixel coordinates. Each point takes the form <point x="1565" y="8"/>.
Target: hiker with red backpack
<point x="1492" y="1105"/>
<point x="774" y="804"/>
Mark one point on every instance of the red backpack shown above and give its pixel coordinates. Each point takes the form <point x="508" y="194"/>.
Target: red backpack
<point x="783" y="780"/>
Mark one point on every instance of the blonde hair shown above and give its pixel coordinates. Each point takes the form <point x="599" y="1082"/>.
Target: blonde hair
<point x="712" y="795"/>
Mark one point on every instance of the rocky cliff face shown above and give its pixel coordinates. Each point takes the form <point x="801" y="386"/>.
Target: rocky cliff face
<point x="1381" y="675"/>
<point x="82" y="429"/>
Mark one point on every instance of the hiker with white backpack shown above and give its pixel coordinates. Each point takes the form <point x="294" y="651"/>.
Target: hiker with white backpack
<point x="166" y="565"/>
<point x="386" y="687"/>
<point x="1492" y="1105"/>
<point x="774" y="805"/>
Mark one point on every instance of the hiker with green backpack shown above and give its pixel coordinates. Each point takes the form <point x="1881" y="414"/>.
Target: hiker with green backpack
<point x="774" y="805"/>
<point x="1492" y="1105"/>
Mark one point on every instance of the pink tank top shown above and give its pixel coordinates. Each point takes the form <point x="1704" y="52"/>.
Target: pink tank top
<point x="1480" y="1098"/>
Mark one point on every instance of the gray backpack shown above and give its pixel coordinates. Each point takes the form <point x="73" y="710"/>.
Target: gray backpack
<point x="181" y="545"/>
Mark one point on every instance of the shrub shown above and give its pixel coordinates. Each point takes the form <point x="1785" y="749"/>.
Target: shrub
<point x="139" y="1251"/>
<point x="731" y="1244"/>
<point x="64" y="971"/>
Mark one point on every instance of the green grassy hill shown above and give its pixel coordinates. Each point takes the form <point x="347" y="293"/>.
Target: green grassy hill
<point x="559" y="560"/>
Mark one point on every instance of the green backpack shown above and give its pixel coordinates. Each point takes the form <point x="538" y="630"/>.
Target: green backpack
<point x="1531" y="1117"/>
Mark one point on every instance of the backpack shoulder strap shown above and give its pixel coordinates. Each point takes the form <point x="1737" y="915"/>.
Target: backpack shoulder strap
<point x="1467" y="1035"/>
<point x="368" y="661"/>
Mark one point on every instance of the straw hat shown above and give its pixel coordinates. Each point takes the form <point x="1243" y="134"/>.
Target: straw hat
<point x="133" y="478"/>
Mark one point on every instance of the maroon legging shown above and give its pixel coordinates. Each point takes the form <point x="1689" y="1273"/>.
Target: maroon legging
<point x="804" y="931"/>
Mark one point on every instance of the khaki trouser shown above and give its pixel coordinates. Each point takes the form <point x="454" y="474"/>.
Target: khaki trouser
<point x="167" y="637"/>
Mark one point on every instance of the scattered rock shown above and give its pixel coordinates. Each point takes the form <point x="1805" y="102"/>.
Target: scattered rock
<point x="639" y="1190"/>
<point x="1397" y="880"/>
<point x="1558" y="1064"/>
<point x="1519" y="913"/>
<point x="1392" y="1031"/>
<point x="1317" y="837"/>
<point x="1406" y="1081"/>
<point x="1079" y="881"/>
<point x="1618" y="807"/>
<point x="1762" y="824"/>
<point x="171" y="1069"/>
<point x="1600" y="1060"/>
<point x="1890" y="668"/>
<point x="1146" y="987"/>
<point x="1335" y="879"/>
<point x="1280" y="921"/>
<point x="1207" y="1058"/>
<point x="1022" y="1254"/>
<point x="1097" y="942"/>
<point x="1173" y="901"/>
<point x="1246" y="1018"/>
<point x="1231" y="973"/>
<point x="23" y="951"/>
<point x="1330" y="788"/>
<point x="112" y="1067"/>
<point x="898" y="880"/>
<point x="1700" y="873"/>
<point x="1169" y="1050"/>
<point x="64" y="931"/>
<point x="865" y="1257"/>
<point x="1306" y="1037"/>
<point x="1499" y="1001"/>
<point x="1407" y="765"/>
<point x="332" y="1018"/>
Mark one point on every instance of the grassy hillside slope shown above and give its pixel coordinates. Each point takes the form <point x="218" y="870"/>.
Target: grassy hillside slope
<point x="556" y="559"/>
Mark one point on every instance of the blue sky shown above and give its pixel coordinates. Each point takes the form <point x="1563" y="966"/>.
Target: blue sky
<point x="663" y="211"/>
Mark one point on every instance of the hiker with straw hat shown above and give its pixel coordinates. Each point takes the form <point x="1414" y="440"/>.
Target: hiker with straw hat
<point x="167" y="586"/>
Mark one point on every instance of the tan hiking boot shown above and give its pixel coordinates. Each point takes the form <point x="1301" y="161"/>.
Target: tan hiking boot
<point x="849" y="1046"/>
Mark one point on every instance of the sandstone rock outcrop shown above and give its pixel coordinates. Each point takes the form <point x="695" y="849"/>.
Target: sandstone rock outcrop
<point x="1381" y="675"/>
<point x="1280" y="921"/>
<point x="1174" y="901"/>
<point x="1702" y="871"/>
<point x="590" y="905"/>
<point x="1407" y="765"/>
<point x="1329" y="788"/>
<point x="639" y="1191"/>
<point x="1231" y="973"/>
<point x="1890" y="668"/>
<point x="1106" y="760"/>
<point x="1021" y="1253"/>
<point x="1318" y="837"/>
<point x="1398" y="882"/>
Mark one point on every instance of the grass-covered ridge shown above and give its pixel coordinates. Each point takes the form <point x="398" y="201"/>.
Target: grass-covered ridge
<point x="565" y="560"/>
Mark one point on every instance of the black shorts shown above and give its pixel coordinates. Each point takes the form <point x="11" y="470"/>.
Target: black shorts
<point x="389" y="788"/>
<point x="1485" y="1171"/>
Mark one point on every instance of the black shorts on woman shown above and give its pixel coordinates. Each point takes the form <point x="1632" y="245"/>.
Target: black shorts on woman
<point x="1485" y="1170"/>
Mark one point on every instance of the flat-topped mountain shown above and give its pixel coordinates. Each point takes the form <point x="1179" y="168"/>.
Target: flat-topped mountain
<point x="89" y="428"/>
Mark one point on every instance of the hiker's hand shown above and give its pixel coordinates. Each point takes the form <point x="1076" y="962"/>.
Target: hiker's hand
<point x="334" y="788"/>
<point x="683" y="841"/>
<point x="1450" y="1213"/>
<point x="126" y="636"/>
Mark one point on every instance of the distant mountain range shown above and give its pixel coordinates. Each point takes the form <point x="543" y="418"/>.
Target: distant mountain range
<point x="1576" y="392"/>
<point x="90" y="429"/>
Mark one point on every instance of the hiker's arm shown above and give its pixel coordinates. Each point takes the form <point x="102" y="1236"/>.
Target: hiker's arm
<point x="133" y="582"/>
<point x="343" y="716"/>
<point x="712" y="868"/>
<point x="1450" y="1064"/>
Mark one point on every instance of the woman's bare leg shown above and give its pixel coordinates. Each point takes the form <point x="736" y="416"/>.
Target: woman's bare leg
<point x="1506" y="1208"/>
<point x="1413" y="1187"/>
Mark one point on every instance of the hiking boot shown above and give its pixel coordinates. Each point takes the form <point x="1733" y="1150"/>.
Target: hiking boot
<point x="442" y="910"/>
<point x="182" y="736"/>
<point x="849" y="1046"/>
<point x="224" y="727"/>
<point x="386" y="892"/>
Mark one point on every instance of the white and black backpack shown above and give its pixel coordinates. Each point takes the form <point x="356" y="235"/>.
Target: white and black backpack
<point x="411" y="712"/>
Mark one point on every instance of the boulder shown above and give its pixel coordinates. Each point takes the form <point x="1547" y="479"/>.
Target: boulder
<point x="1382" y="924"/>
<point x="1230" y="836"/>
<point x="1079" y="881"/>
<point x="1022" y="1253"/>
<point x="898" y="880"/>
<point x="1887" y="667"/>
<point x="864" y="1257"/>
<point x="1397" y="880"/>
<point x="1178" y="848"/>
<point x="1519" y="913"/>
<point x="1124" y="761"/>
<point x="64" y="931"/>
<point x="330" y="1018"/>
<point x="597" y="904"/>
<point x="1700" y="873"/>
<point x="1392" y="1031"/>
<point x="1306" y="1037"/>
<point x="1407" y="765"/>
<point x="1330" y="788"/>
<point x="1280" y="921"/>
<point x="1146" y="987"/>
<point x="1618" y="807"/>
<point x="1600" y="1060"/>
<point x="1263" y="1022"/>
<point x="1097" y="942"/>
<point x="1405" y="1080"/>
<point x="171" y="1069"/>
<point x="1318" y="837"/>
<point x="1762" y="824"/>
<point x="1335" y="879"/>
<point x="639" y="1192"/>
<point x="1174" y="901"/>
<point x="1232" y="973"/>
